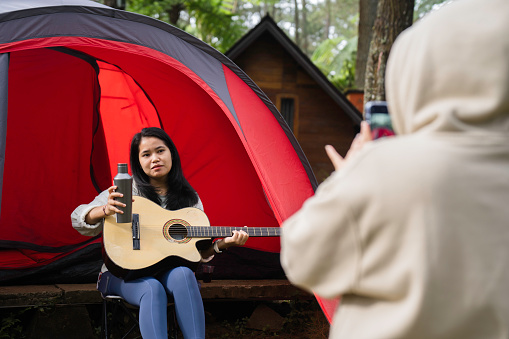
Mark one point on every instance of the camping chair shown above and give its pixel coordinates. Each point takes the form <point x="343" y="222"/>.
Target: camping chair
<point x="117" y="304"/>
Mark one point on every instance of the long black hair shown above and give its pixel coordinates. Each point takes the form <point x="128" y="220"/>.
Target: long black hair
<point x="180" y="193"/>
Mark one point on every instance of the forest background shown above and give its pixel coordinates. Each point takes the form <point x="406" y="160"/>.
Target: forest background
<point x="336" y="35"/>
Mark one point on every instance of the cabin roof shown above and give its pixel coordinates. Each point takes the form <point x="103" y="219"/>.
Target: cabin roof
<point x="268" y="25"/>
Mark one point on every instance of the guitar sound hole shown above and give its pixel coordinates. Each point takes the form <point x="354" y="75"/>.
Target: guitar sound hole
<point x="178" y="232"/>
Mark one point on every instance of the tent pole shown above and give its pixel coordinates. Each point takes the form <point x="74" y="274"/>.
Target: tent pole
<point x="4" y="76"/>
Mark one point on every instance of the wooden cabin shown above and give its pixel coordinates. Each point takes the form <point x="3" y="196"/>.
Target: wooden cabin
<point x="318" y="112"/>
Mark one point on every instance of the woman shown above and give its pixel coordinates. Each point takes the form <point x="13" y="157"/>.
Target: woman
<point x="158" y="176"/>
<point x="412" y="230"/>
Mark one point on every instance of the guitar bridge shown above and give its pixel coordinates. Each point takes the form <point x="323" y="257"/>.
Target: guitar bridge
<point x="136" y="231"/>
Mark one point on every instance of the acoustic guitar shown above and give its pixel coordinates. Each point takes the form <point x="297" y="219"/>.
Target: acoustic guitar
<point x="158" y="239"/>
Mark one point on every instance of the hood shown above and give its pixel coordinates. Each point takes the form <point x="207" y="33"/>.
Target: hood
<point x="449" y="72"/>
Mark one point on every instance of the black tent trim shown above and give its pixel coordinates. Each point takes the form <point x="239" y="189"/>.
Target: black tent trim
<point x="29" y="246"/>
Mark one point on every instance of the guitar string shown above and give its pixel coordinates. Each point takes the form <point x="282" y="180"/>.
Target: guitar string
<point x="221" y="230"/>
<point x="262" y="232"/>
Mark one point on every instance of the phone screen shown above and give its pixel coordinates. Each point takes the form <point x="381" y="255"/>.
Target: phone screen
<point x="377" y="115"/>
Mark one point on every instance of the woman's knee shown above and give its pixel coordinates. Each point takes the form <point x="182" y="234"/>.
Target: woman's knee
<point x="183" y="271"/>
<point x="182" y="274"/>
<point x="180" y="278"/>
<point x="153" y="288"/>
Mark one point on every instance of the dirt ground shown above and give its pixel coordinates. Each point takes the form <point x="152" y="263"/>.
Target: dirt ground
<point x="224" y="320"/>
<point x="290" y="319"/>
<point x="270" y="319"/>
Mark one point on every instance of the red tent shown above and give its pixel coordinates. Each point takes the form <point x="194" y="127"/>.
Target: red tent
<point x="77" y="80"/>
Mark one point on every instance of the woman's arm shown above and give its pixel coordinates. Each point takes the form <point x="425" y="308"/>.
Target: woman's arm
<point x="238" y="238"/>
<point x="320" y="243"/>
<point x="88" y="218"/>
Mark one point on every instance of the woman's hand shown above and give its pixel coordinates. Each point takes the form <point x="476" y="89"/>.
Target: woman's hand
<point x="111" y="207"/>
<point x="238" y="238"/>
<point x="358" y="143"/>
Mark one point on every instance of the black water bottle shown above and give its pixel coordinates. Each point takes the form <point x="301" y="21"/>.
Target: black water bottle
<point x="124" y="183"/>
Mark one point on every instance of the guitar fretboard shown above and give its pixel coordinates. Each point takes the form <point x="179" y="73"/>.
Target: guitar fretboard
<point x="226" y="231"/>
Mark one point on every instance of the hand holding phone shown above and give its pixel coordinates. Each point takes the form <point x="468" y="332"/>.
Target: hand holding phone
<point x="377" y="115"/>
<point x="357" y="144"/>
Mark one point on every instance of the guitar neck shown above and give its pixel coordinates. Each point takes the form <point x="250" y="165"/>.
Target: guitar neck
<point x="226" y="231"/>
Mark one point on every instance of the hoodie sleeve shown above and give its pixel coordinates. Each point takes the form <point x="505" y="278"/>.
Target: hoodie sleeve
<point x="319" y="244"/>
<point x="79" y="214"/>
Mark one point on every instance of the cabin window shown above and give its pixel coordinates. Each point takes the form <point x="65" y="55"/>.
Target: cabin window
<point x="288" y="106"/>
<point x="288" y="110"/>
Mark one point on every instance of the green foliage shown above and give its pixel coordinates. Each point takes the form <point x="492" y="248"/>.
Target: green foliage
<point x="11" y="327"/>
<point x="336" y="59"/>
<point x="12" y="322"/>
<point x="236" y="328"/>
<point x="330" y="29"/>
<point x="212" y="21"/>
<point x="220" y="23"/>
<point x="156" y="9"/>
<point x="215" y="23"/>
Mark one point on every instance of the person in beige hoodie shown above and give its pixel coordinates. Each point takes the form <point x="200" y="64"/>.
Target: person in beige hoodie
<point x="413" y="231"/>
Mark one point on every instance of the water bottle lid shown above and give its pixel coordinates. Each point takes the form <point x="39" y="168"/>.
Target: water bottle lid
<point x="122" y="168"/>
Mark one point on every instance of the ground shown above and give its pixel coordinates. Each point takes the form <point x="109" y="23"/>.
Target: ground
<point x="298" y="319"/>
<point x="237" y="320"/>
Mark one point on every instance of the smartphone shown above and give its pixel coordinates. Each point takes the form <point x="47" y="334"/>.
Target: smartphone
<point x="377" y="115"/>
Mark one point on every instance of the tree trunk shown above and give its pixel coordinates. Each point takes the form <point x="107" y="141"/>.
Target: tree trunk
<point x="305" y="38"/>
<point x="367" y="15"/>
<point x="297" y="25"/>
<point x="326" y="29"/>
<point x="274" y="12"/>
<point x="174" y="13"/>
<point x="392" y="17"/>
<point x="115" y="4"/>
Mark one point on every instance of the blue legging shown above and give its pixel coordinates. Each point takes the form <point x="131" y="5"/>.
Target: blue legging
<point x="149" y="294"/>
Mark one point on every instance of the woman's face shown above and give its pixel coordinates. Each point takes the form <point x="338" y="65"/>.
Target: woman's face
<point x="155" y="158"/>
